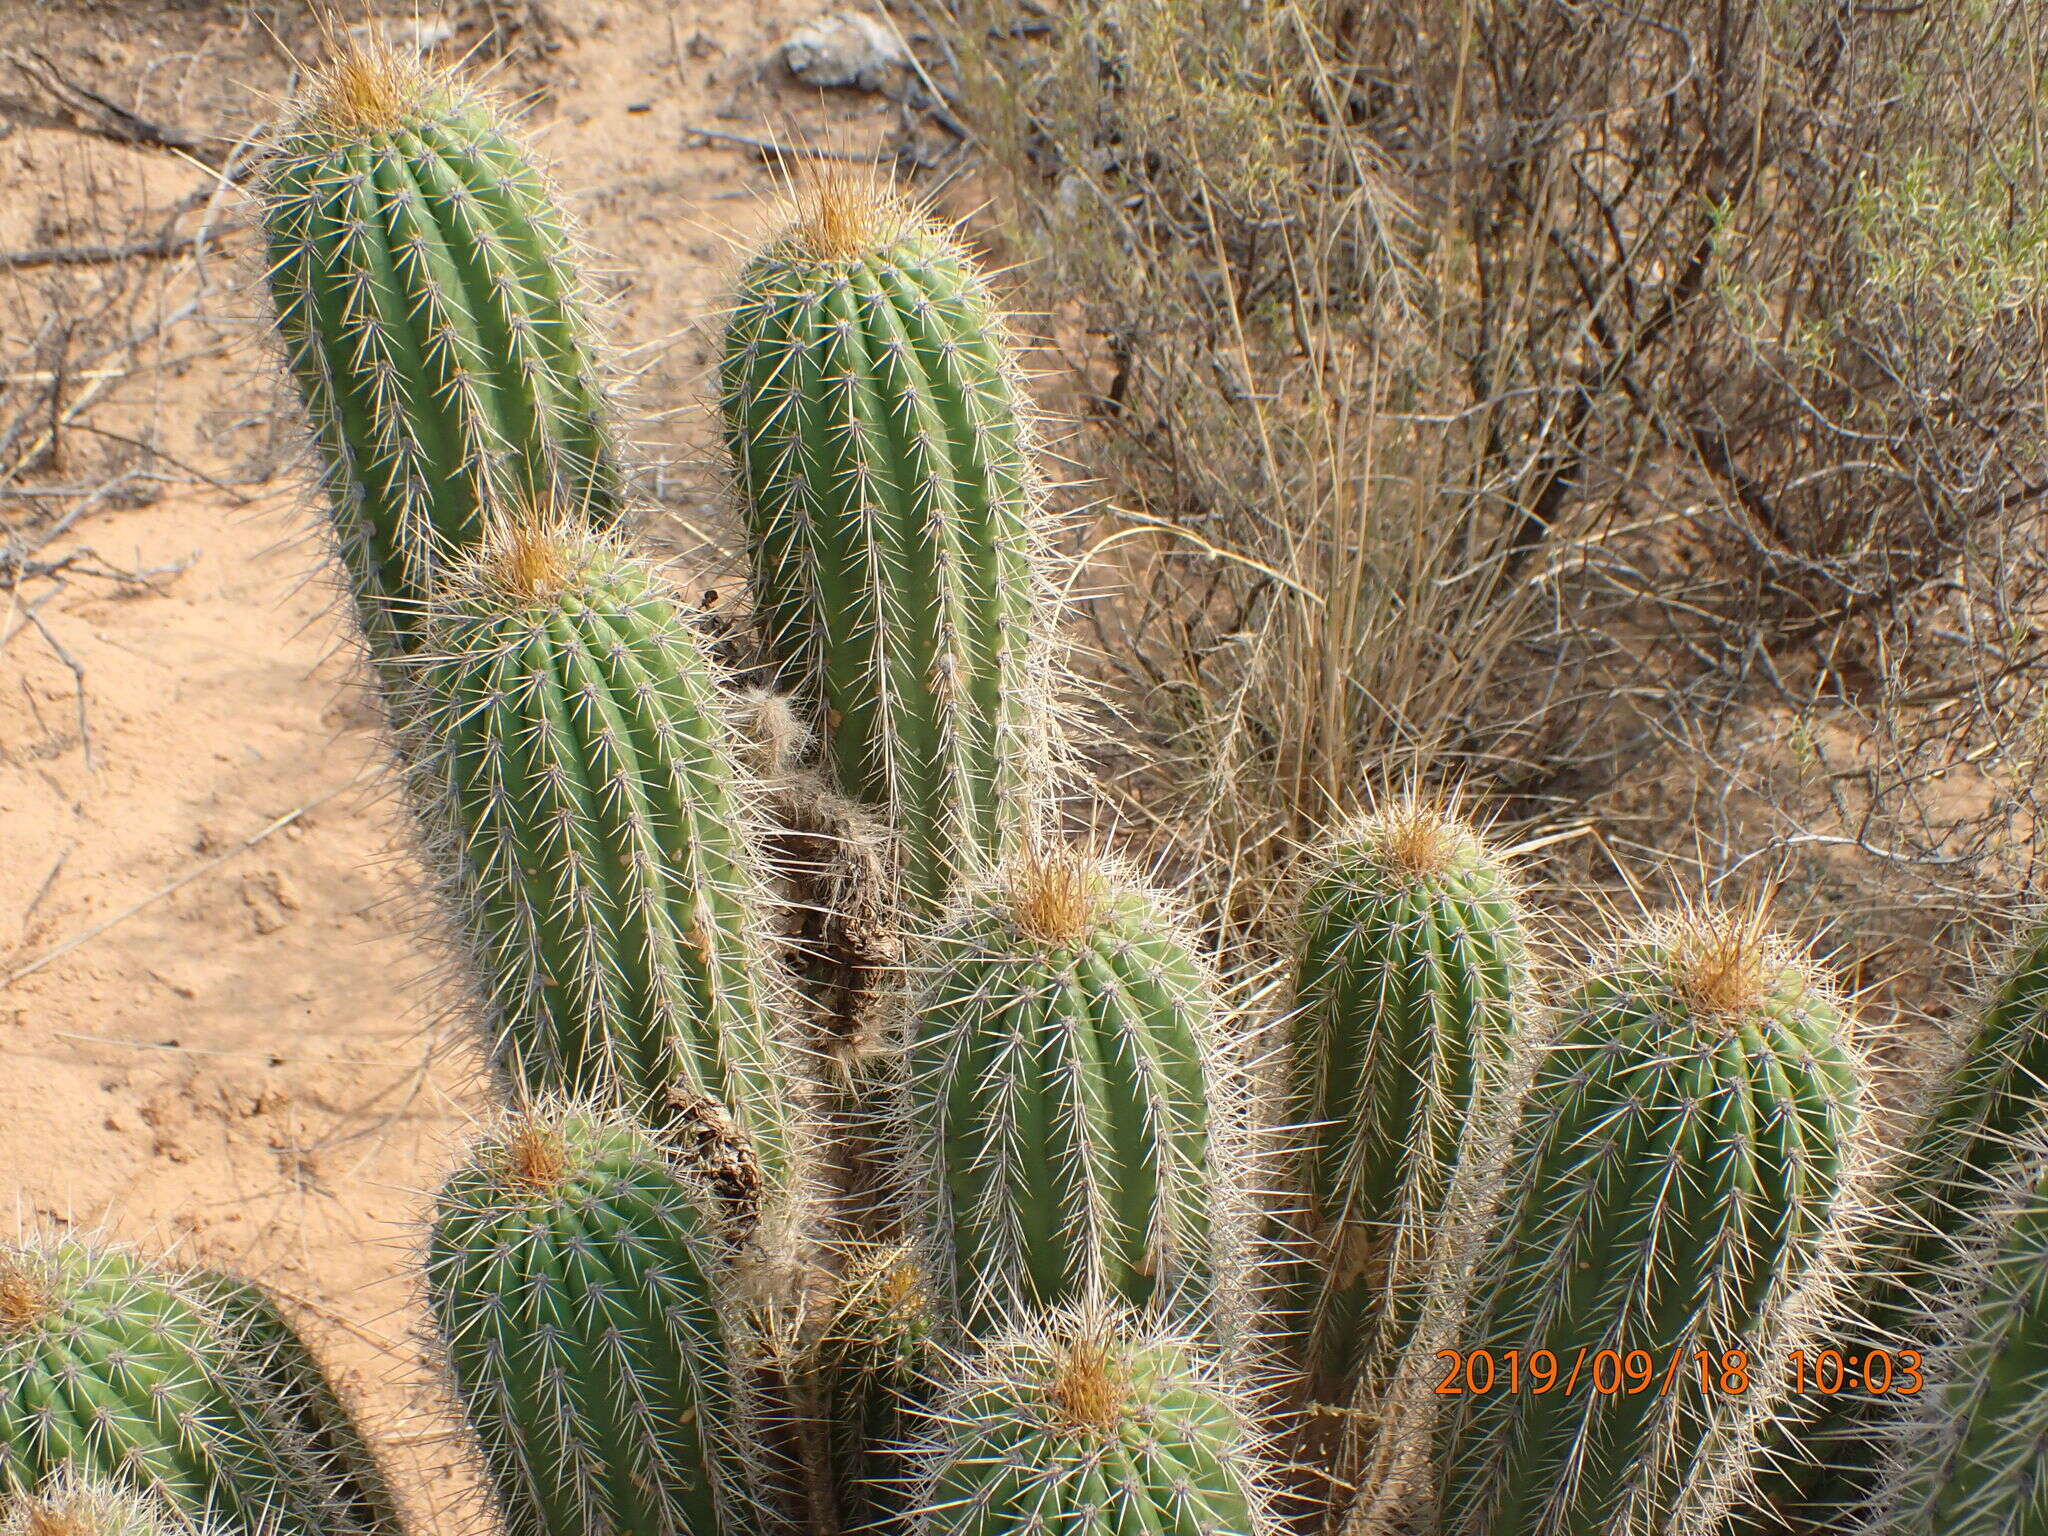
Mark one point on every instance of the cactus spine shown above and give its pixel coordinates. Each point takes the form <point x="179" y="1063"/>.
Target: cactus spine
<point x="1992" y="1105"/>
<point x="879" y="1365"/>
<point x="1970" y="1455"/>
<point x="1091" y="1423"/>
<point x="873" y="412"/>
<point x="590" y="808"/>
<point x="1411" y="969"/>
<point x="70" y="1504"/>
<point x="432" y="317"/>
<point x="110" y="1369"/>
<point x="572" y="1277"/>
<point x="1062" y="1110"/>
<point x="280" y="1359"/>
<point x="1685" y="1164"/>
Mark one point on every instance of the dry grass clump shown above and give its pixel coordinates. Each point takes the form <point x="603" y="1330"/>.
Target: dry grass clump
<point x="1640" y="413"/>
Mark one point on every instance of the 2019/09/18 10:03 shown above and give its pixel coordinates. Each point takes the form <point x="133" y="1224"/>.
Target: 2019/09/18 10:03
<point x="1613" y="1372"/>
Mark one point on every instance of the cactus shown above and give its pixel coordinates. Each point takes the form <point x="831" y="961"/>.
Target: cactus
<point x="71" y="1504"/>
<point x="873" y="412"/>
<point x="1685" y="1170"/>
<point x="586" y="801"/>
<point x="432" y="316"/>
<point x="1090" y="1423"/>
<point x="111" y="1369"/>
<point x="879" y="1367"/>
<point x="573" y="1279"/>
<point x="1062" y="1114"/>
<point x="280" y="1359"/>
<point x="1991" y="1104"/>
<point x="1969" y="1454"/>
<point x="1411" y="975"/>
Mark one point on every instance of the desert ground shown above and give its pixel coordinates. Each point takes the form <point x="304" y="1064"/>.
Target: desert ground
<point x="221" y="1033"/>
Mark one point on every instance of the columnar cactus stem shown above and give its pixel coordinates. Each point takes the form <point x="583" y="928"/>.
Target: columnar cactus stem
<point x="1091" y="1423"/>
<point x="110" y="1369"/>
<point x="593" y="827"/>
<point x="880" y="1367"/>
<point x="574" y="1279"/>
<point x="1411" y="981"/>
<point x="432" y="315"/>
<point x="1992" y="1105"/>
<point x="1969" y="1455"/>
<point x="280" y="1359"/>
<point x="873" y="411"/>
<point x="1064" y="1078"/>
<point x="1685" y="1171"/>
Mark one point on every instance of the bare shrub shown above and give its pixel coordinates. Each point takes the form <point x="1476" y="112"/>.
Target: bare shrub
<point x="1636" y="411"/>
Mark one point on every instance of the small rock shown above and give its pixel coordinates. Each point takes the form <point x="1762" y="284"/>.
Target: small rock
<point x="844" y="48"/>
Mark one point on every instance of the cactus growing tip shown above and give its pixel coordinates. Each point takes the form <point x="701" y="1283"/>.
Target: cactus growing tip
<point x="25" y="1296"/>
<point x="365" y="88"/>
<point x="1089" y="1390"/>
<point x="1725" y="963"/>
<point x="1055" y="896"/>
<point x="842" y="215"/>
<point x="535" y="1157"/>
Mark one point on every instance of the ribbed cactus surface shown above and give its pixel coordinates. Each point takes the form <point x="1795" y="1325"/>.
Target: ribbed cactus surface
<point x="71" y="1504"/>
<point x="1411" y="979"/>
<point x="573" y="1279"/>
<point x="873" y="412"/>
<point x="280" y="1359"/>
<point x="1063" y="1090"/>
<point x="879" y="1367"/>
<point x="1091" y="1423"/>
<point x="432" y="316"/>
<point x="1683" y="1174"/>
<point x="592" y="825"/>
<point x="111" y="1369"/>
<point x="1971" y="1451"/>
<point x="1992" y="1105"/>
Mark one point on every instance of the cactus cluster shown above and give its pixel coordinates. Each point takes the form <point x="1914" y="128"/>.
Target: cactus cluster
<point x="115" y="1370"/>
<point x="1021" y="1280"/>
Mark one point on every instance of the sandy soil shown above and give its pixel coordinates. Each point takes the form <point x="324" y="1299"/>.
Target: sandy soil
<point x="218" y="1032"/>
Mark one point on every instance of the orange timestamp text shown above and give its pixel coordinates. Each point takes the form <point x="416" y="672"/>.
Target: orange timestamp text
<point x="1630" y="1372"/>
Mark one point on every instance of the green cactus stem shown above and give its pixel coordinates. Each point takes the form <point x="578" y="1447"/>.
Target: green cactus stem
<point x="1090" y="1423"/>
<point x="280" y="1358"/>
<point x="593" y="827"/>
<point x="1411" y="979"/>
<point x="879" y="1366"/>
<point x="873" y="412"/>
<point x="573" y="1278"/>
<point x="111" y="1369"/>
<point x="433" y="318"/>
<point x="1992" y="1104"/>
<point x="1969" y="1455"/>
<point x="1682" y="1187"/>
<point x="1063" y="1100"/>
